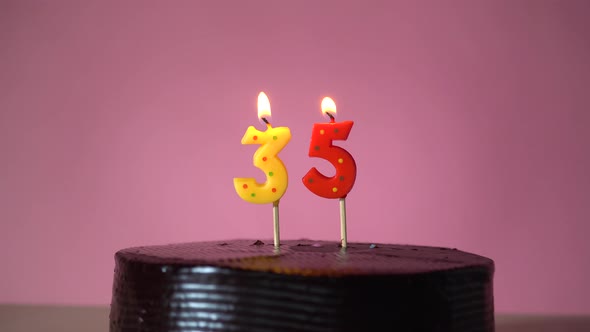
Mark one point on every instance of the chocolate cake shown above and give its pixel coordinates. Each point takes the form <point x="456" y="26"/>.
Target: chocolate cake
<point x="248" y="285"/>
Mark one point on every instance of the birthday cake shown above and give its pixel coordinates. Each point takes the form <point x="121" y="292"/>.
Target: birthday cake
<point x="248" y="285"/>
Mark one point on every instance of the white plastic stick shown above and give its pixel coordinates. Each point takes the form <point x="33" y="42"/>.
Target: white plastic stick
<point x="343" y="222"/>
<point x="275" y="219"/>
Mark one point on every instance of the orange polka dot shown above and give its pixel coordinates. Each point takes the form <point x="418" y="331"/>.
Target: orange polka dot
<point x="274" y="190"/>
<point x="340" y="160"/>
<point x="245" y="186"/>
<point x="255" y="137"/>
<point x="263" y="158"/>
<point x="322" y="131"/>
<point x="334" y="189"/>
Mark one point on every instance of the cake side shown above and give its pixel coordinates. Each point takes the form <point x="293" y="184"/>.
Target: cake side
<point x="246" y="285"/>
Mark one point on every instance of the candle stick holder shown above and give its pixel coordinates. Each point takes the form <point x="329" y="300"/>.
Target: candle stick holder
<point x="343" y="236"/>
<point x="275" y="220"/>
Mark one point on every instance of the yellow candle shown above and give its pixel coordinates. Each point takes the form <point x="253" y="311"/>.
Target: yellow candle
<point x="272" y="141"/>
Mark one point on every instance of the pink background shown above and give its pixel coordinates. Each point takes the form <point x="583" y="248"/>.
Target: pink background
<point x="121" y="122"/>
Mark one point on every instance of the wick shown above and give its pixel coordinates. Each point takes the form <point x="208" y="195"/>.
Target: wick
<point x="331" y="116"/>
<point x="265" y="121"/>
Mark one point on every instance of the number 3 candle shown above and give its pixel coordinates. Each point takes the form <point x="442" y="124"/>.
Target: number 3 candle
<point x="339" y="185"/>
<point x="273" y="140"/>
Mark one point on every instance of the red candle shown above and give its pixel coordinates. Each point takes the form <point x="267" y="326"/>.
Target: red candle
<point x="323" y="134"/>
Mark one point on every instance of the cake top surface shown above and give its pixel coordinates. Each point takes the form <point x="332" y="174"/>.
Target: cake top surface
<point x="307" y="257"/>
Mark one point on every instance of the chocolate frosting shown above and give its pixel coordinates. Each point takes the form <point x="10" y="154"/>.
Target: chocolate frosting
<point x="306" y="285"/>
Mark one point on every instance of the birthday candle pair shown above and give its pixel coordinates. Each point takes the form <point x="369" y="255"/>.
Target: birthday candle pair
<point x="273" y="140"/>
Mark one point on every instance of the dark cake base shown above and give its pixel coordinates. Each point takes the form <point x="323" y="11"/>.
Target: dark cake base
<point x="246" y="285"/>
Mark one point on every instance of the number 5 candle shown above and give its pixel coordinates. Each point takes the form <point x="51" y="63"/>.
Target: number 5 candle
<point x="339" y="185"/>
<point x="272" y="141"/>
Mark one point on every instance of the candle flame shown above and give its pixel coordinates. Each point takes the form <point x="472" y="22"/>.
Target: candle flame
<point x="263" y="106"/>
<point x="328" y="107"/>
